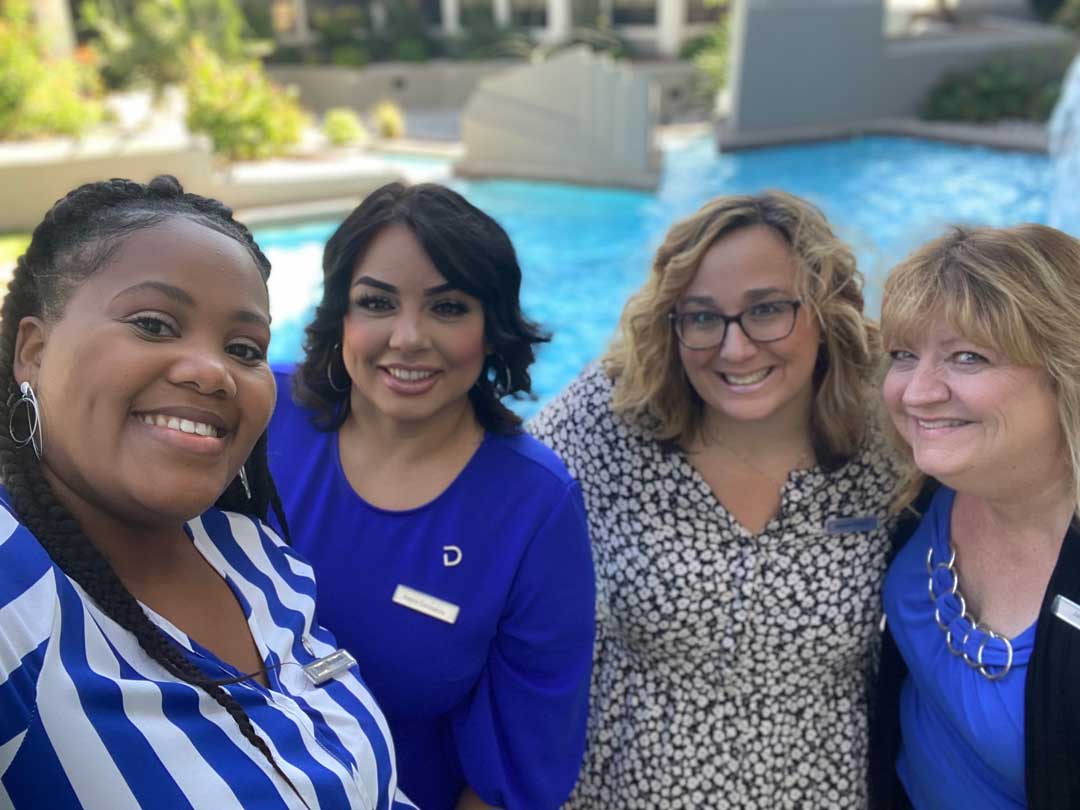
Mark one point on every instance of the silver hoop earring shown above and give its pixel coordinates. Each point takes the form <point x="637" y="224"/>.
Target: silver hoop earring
<point x="244" y="482"/>
<point x="330" y="370"/>
<point x="503" y="374"/>
<point x="35" y="436"/>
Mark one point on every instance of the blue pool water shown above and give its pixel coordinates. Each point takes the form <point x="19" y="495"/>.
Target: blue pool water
<point x="584" y="250"/>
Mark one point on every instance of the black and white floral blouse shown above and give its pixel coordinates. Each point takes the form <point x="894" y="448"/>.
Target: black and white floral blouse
<point x="731" y="669"/>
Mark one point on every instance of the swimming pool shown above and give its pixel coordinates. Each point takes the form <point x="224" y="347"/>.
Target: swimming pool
<point x="584" y="250"/>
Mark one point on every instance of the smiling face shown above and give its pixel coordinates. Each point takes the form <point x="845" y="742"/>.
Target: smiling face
<point x="740" y="380"/>
<point x="973" y="419"/>
<point x="153" y="383"/>
<point x="412" y="344"/>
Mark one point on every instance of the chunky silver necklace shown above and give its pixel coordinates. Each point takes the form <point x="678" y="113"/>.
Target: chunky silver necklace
<point x="960" y="652"/>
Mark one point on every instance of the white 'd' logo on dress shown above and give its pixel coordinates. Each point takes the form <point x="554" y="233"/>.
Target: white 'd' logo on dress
<point x="451" y="556"/>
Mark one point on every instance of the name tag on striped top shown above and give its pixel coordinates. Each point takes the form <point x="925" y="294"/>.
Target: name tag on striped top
<point x="425" y="603"/>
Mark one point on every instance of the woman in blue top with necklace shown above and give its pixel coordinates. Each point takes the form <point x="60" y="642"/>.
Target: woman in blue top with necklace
<point x="451" y="548"/>
<point x="979" y="695"/>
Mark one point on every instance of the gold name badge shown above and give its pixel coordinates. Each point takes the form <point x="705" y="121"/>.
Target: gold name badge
<point x="426" y="603"/>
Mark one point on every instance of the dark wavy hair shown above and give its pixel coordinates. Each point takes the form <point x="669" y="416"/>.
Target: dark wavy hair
<point x="472" y="252"/>
<point x="78" y="236"/>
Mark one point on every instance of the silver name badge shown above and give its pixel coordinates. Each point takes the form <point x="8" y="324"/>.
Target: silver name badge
<point x="852" y="525"/>
<point x="425" y="603"/>
<point x="328" y="668"/>
<point x="1066" y="610"/>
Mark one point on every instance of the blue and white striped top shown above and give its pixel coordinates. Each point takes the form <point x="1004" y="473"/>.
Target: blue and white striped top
<point x="88" y="720"/>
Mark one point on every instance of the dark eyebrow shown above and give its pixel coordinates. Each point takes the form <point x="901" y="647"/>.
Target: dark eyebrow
<point x="390" y="288"/>
<point x="182" y="297"/>
<point x="438" y="289"/>
<point x="168" y="290"/>
<point x="373" y="282"/>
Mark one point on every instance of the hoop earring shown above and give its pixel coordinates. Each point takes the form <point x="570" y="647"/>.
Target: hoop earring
<point x="498" y="365"/>
<point x="244" y="481"/>
<point x="35" y="435"/>
<point x="330" y="371"/>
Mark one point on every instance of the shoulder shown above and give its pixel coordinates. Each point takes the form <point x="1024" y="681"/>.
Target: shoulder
<point x="28" y="605"/>
<point x="252" y="549"/>
<point x="23" y="561"/>
<point x="531" y="458"/>
<point x="874" y="469"/>
<point x="579" y="423"/>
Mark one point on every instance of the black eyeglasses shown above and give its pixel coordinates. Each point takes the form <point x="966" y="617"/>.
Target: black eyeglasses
<point x="762" y="323"/>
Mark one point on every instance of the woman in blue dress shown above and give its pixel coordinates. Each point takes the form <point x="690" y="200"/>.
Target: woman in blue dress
<point x="451" y="548"/>
<point x="979" y="695"/>
<point x="135" y="392"/>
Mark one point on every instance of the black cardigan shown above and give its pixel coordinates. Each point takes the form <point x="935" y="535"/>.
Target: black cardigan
<point x="1051" y="694"/>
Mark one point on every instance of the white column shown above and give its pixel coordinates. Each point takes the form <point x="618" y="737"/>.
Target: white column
<point x="451" y="16"/>
<point x="502" y="13"/>
<point x="53" y="19"/>
<point x="670" y="23"/>
<point x="303" y="32"/>
<point x="559" y="20"/>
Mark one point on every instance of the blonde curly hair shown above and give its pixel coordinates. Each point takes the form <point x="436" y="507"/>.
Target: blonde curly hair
<point x="652" y="392"/>
<point x="1013" y="289"/>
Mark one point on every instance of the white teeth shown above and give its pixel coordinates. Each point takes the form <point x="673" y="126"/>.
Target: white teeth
<point x="182" y="425"/>
<point x="931" y="424"/>
<point x="747" y="379"/>
<point x="409" y="375"/>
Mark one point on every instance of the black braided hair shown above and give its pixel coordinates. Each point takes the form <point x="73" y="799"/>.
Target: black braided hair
<point x="76" y="238"/>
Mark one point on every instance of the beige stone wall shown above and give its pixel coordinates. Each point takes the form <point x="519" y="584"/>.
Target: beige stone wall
<point x="34" y="175"/>
<point x="574" y="118"/>
<point x="820" y="68"/>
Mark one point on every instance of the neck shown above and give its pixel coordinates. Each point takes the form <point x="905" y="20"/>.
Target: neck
<point x="1023" y="516"/>
<point x="138" y="550"/>
<point x="383" y="437"/>
<point x="780" y="436"/>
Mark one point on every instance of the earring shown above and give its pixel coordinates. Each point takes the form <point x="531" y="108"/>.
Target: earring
<point x="35" y="436"/>
<point x="506" y="377"/>
<point x="330" y="370"/>
<point x="244" y="481"/>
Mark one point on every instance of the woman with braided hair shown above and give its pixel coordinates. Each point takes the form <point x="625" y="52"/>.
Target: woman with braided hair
<point x="138" y="584"/>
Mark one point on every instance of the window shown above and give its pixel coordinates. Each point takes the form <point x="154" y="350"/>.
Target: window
<point x="529" y="13"/>
<point x="634" y="12"/>
<point x="706" y="11"/>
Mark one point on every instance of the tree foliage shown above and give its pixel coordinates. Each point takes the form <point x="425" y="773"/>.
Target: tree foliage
<point x="39" y="95"/>
<point x="147" y="40"/>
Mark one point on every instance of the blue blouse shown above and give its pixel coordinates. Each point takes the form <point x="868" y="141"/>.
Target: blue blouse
<point x="962" y="734"/>
<point x="89" y="720"/>
<point x="471" y="616"/>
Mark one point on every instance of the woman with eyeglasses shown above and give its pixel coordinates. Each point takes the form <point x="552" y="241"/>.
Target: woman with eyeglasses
<point x="736" y="489"/>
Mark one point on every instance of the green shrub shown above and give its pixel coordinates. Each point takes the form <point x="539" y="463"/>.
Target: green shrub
<point x="388" y="120"/>
<point x="998" y="90"/>
<point x="147" y="40"/>
<point x="12" y="246"/>
<point x="342" y="127"/>
<point x="712" y="59"/>
<point x="244" y="114"/>
<point x="410" y="50"/>
<point x="349" y="55"/>
<point x="40" y="96"/>
<point x="59" y="103"/>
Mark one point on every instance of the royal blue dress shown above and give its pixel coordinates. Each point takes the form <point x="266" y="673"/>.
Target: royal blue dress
<point x="472" y="616"/>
